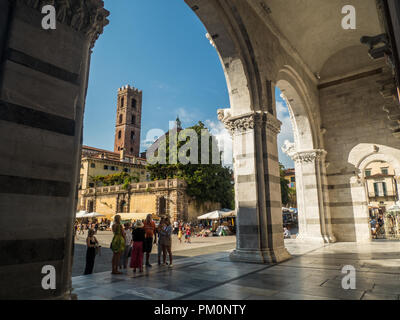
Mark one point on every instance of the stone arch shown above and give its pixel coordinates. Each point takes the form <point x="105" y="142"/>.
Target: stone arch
<point x="226" y="36"/>
<point x="303" y="124"/>
<point x="314" y="217"/>
<point x="360" y="157"/>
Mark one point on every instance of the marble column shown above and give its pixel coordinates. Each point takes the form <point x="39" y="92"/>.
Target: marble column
<point x="313" y="213"/>
<point x="44" y="78"/>
<point x="257" y="187"/>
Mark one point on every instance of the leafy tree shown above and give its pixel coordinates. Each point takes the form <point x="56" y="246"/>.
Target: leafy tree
<point x="205" y="182"/>
<point x="122" y="178"/>
<point x="285" y="190"/>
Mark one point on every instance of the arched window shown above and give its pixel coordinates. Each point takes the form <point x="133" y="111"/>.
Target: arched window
<point x="134" y="103"/>
<point x="120" y="118"/>
<point x="132" y="135"/>
<point x="119" y="134"/>
<point x="122" y="102"/>
<point x="133" y="120"/>
<point x="131" y="150"/>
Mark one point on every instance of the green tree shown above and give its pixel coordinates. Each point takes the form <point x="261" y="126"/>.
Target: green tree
<point x="122" y="178"/>
<point x="285" y="189"/>
<point x="205" y="182"/>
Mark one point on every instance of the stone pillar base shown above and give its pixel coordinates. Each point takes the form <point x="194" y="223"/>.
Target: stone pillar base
<point x="260" y="256"/>
<point x="315" y="238"/>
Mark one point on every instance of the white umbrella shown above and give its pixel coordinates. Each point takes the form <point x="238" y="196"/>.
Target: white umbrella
<point x="394" y="208"/>
<point x="93" y="215"/>
<point x="81" y="214"/>
<point x="217" y="214"/>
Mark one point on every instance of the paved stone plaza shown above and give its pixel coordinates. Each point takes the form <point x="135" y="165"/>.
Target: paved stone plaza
<point x="197" y="247"/>
<point x="314" y="272"/>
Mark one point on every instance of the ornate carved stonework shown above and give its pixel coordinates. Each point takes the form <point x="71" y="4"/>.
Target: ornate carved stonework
<point x="308" y="156"/>
<point x="391" y="106"/>
<point x="86" y="16"/>
<point x="245" y="122"/>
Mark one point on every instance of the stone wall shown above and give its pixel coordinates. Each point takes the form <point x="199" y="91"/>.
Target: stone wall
<point x="197" y="209"/>
<point x="356" y="127"/>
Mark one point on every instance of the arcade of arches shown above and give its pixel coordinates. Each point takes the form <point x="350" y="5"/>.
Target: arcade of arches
<point x="335" y="91"/>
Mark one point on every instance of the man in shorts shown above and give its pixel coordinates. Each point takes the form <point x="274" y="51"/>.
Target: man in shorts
<point x="150" y="229"/>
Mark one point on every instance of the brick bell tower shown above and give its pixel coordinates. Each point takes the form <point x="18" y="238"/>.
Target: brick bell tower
<point x="129" y="121"/>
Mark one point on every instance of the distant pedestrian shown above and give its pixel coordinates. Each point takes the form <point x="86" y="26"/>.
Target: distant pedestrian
<point x="117" y="244"/>
<point x="180" y="234"/>
<point x="81" y="229"/>
<point x="176" y="225"/>
<point x="159" y="248"/>
<point x="91" y="243"/>
<point x="123" y="262"/>
<point x="138" y="237"/>
<point x="166" y="241"/>
<point x="188" y="234"/>
<point x="150" y="234"/>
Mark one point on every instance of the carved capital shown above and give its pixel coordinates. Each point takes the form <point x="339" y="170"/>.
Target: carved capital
<point x="249" y="121"/>
<point x="308" y="156"/>
<point x="86" y="16"/>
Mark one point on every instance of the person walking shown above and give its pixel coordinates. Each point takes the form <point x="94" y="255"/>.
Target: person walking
<point x="150" y="230"/>
<point x="180" y="234"/>
<point x="138" y="237"/>
<point x="176" y="225"/>
<point x="166" y="241"/>
<point x="123" y="263"/>
<point x="117" y="243"/>
<point x="91" y="243"/>
<point x="158" y="232"/>
<point x="188" y="233"/>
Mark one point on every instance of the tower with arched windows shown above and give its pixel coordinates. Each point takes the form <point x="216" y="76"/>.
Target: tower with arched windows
<point x="128" y="121"/>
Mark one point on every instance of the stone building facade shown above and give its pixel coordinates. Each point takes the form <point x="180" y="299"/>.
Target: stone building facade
<point x="344" y="105"/>
<point x="160" y="198"/>
<point x="99" y="162"/>
<point x="381" y="185"/>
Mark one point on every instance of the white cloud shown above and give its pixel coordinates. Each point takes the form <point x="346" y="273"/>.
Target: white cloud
<point x="185" y="116"/>
<point x="224" y="140"/>
<point x="285" y="134"/>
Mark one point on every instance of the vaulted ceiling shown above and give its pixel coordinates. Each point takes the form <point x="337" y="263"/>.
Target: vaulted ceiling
<point x="314" y="29"/>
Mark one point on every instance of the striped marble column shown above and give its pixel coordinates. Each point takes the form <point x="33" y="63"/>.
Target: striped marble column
<point x="314" y="218"/>
<point x="257" y="187"/>
<point x="42" y="96"/>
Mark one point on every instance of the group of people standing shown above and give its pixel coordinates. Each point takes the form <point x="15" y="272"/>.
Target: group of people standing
<point x="183" y="229"/>
<point x="137" y="241"/>
<point x="134" y="242"/>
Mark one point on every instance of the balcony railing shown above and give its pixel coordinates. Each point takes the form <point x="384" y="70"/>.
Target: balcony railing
<point x="173" y="183"/>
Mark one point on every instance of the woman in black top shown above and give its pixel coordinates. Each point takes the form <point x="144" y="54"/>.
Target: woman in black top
<point x="91" y="251"/>
<point x="138" y="235"/>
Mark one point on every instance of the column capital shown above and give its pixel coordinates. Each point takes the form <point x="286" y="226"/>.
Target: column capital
<point x="248" y="121"/>
<point x="308" y="156"/>
<point x="86" y="16"/>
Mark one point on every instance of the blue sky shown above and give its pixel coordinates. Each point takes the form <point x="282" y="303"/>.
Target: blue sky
<point x="159" y="47"/>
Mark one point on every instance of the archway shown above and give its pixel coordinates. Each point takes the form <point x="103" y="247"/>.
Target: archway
<point x="309" y="158"/>
<point x="361" y="156"/>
